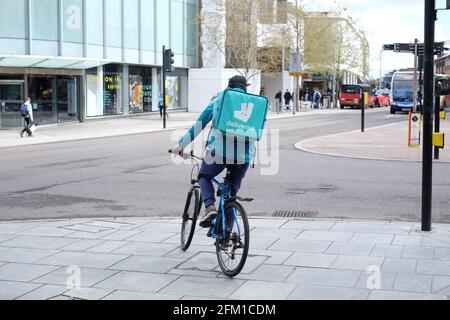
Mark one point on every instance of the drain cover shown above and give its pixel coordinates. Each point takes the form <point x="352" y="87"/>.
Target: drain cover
<point x="294" y="214"/>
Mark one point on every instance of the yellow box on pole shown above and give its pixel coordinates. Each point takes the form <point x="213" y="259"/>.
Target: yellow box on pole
<point x="439" y="140"/>
<point x="366" y="98"/>
<point x="443" y="115"/>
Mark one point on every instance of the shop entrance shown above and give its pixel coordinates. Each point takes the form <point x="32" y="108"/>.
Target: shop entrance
<point x="54" y="98"/>
<point x="11" y="99"/>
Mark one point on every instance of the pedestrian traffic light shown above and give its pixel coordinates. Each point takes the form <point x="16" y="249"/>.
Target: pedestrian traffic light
<point x="169" y="60"/>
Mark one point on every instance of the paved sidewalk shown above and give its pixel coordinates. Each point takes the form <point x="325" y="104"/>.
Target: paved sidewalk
<point x="110" y="127"/>
<point x="388" y="142"/>
<point x="139" y="258"/>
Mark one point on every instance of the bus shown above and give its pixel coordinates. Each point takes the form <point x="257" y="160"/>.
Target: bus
<point x="351" y="96"/>
<point x="403" y="91"/>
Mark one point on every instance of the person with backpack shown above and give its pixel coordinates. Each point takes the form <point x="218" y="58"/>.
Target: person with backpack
<point x="287" y="99"/>
<point x="223" y="151"/>
<point x="26" y="112"/>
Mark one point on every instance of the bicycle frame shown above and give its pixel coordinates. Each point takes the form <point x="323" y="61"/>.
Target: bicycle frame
<point x="225" y="195"/>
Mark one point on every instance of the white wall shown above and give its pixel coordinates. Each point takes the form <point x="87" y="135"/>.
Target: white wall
<point x="206" y="83"/>
<point x="272" y="85"/>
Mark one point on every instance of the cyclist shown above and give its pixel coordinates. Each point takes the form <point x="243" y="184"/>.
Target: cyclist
<point x="237" y="157"/>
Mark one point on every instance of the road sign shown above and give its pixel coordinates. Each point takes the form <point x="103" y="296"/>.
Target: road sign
<point x="295" y="63"/>
<point x="410" y="48"/>
<point x="414" y="130"/>
<point x="388" y="47"/>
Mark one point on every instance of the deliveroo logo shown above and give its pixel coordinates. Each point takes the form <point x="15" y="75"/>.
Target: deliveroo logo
<point x="246" y="113"/>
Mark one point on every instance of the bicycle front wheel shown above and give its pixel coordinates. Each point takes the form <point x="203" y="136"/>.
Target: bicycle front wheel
<point x="232" y="251"/>
<point x="190" y="216"/>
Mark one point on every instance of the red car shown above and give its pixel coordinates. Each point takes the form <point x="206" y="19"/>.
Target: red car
<point x="382" y="98"/>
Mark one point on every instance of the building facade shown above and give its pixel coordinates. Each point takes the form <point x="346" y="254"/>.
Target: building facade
<point x="84" y="59"/>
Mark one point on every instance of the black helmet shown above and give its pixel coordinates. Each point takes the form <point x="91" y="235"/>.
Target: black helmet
<point x="238" y="82"/>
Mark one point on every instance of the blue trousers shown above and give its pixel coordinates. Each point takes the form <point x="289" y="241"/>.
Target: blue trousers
<point x="209" y="171"/>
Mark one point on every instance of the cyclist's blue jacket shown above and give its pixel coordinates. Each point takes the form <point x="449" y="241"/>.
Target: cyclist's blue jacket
<point x="242" y="152"/>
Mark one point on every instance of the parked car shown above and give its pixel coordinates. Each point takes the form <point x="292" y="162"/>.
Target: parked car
<point x="382" y="98"/>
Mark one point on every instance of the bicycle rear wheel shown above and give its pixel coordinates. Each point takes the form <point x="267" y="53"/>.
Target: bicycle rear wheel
<point x="190" y="216"/>
<point x="232" y="251"/>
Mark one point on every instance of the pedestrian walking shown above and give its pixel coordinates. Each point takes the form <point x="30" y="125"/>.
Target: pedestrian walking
<point x="317" y="98"/>
<point x="26" y="112"/>
<point x="278" y="101"/>
<point x="287" y="99"/>
<point x="161" y="107"/>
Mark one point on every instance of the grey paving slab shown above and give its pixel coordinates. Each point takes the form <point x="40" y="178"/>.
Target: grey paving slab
<point x="146" y="249"/>
<point x="156" y="237"/>
<point x="23" y="272"/>
<point x="203" y="287"/>
<point x="325" y="236"/>
<point x="203" y="261"/>
<point x="261" y="243"/>
<point x="10" y="290"/>
<point x="372" y="238"/>
<point x="137" y="281"/>
<point x="269" y="273"/>
<point x="442" y="254"/>
<point x="26" y="255"/>
<point x="121" y="235"/>
<point x="267" y="223"/>
<point x="418" y="252"/>
<point x="107" y="247"/>
<point x="404" y="240"/>
<point x="350" y="248"/>
<point x="35" y="242"/>
<point x="328" y="293"/>
<point x="91" y="235"/>
<point x="399" y="265"/>
<point x="305" y="246"/>
<point x="413" y="283"/>
<point x="387" y="251"/>
<point x="372" y="227"/>
<point x="111" y="224"/>
<point x="83" y="259"/>
<point x="120" y="295"/>
<point x="86" y="228"/>
<point x="436" y="241"/>
<point x="262" y="290"/>
<point x="6" y="237"/>
<point x="45" y="292"/>
<point x="273" y="257"/>
<point x="313" y="260"/>
<point x="82" y="245"/>
<point x="88" y="277"/>
<point x="361" y="263"/>
<point x="195" y="273"/>
<point x="441" y="285"/>
<point x="385" y="281"/>
<point x="324" y="277"/>
<point x="147" y="264"/>
<point x="312" y="225"/>
<point x="46" y="231"/>
<point x="160" y="227"/>
<point x="397" y="295"/>
<point x="193" y="250"/>
<point x="88" y="293"/>
<point x="433" y="267"/>
<point x="259" y="232"/>
<point x="16" y="228"/>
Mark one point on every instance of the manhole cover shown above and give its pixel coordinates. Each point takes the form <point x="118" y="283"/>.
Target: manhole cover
<point x="294" y="214"/>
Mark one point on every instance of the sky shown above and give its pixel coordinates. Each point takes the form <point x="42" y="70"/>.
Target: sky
<point x="388" y="22"/>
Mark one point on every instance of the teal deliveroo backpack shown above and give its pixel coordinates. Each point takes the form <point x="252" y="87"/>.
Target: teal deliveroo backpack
<point x="241" y="115"/>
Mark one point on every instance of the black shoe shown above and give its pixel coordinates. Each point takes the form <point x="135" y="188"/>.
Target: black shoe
<point x="211" y="214"/>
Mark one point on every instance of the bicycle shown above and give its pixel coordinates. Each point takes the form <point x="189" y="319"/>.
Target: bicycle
<point x="230" y="229"/>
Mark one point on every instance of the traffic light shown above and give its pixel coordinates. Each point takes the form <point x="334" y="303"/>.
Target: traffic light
<point x="169" y="60"/>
